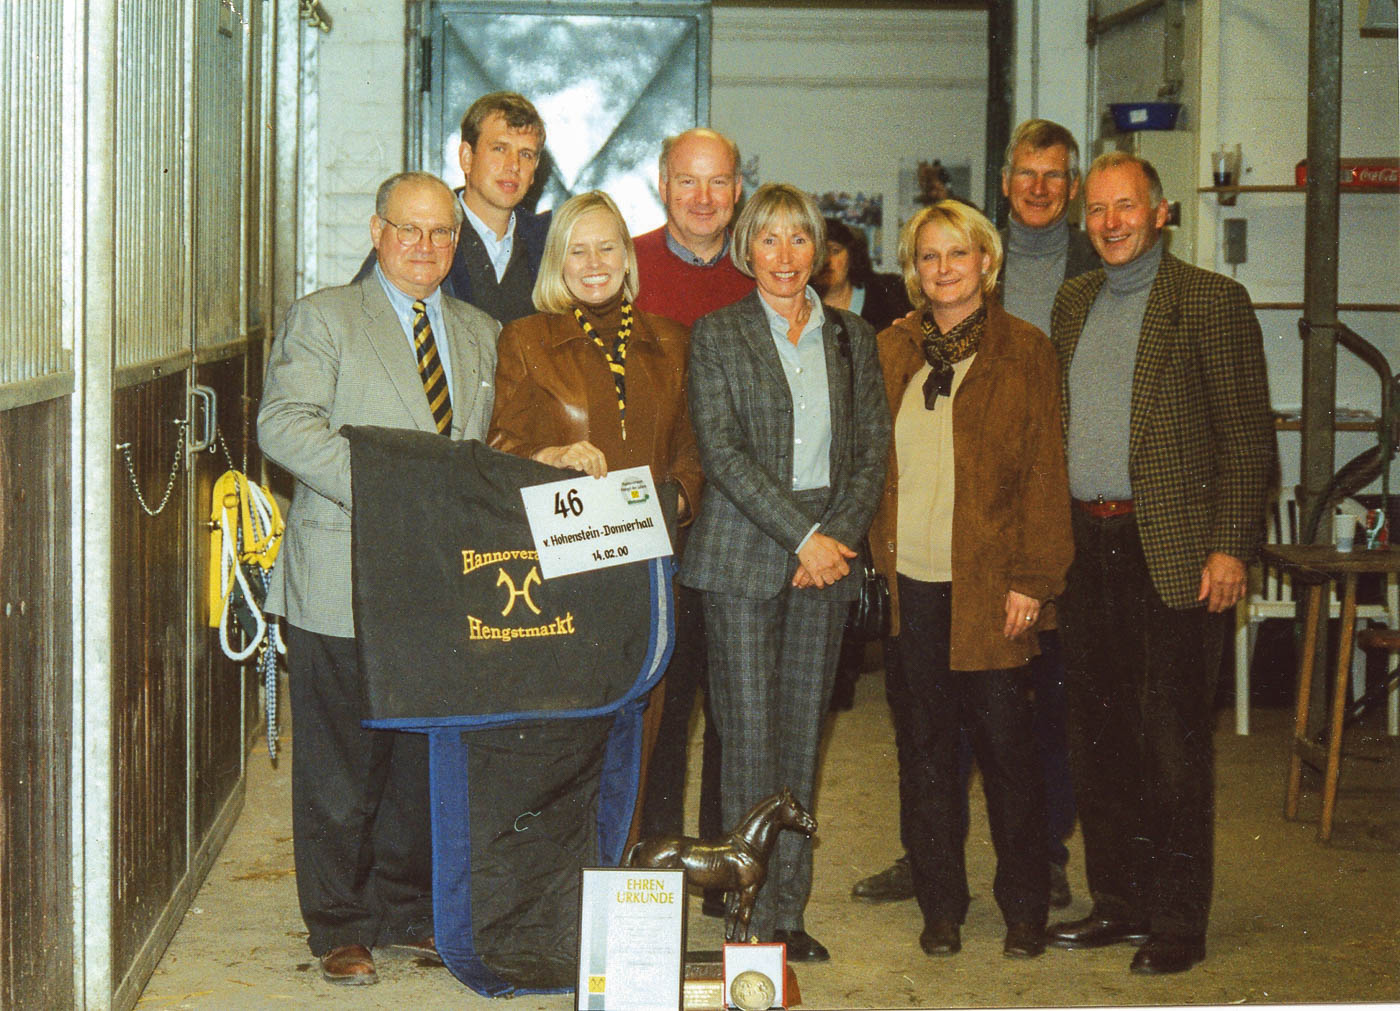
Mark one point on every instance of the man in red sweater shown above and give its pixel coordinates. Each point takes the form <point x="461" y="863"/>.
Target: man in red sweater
<point x="684" y="266"/>
<point x="685" y="271"/>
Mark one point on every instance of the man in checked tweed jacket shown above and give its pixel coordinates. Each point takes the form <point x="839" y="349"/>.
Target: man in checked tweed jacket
<point x="1169" y="445"/>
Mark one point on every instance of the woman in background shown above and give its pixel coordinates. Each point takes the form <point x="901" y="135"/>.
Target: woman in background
<point x="848" y="281"/>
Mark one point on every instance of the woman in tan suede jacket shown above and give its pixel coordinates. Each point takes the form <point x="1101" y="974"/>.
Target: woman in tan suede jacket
<point x="973" y="532"/>
<point x="559" y="399"/>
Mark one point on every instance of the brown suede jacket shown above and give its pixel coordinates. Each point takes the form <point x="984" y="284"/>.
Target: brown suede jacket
<point x="1011" y="525"/>
<point x="553" y="388"/>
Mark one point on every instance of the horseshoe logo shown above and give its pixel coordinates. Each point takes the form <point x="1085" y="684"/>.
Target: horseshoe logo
<point x="523" y="592"/>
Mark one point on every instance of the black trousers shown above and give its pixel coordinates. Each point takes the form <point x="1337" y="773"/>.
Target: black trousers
<point x="360" y="818"/>
<point x="933" y="707"/>
<point x="1051" y="745"/>
<point x="663" y="802"/>
<point x="1141" y="707"/>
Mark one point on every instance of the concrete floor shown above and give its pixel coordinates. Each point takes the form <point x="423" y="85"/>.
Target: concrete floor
<point x="1293" y="920"/>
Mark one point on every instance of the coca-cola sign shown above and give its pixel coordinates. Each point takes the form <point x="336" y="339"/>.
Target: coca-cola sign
<point x="1368" y="173"/>
<point x="1376" y="175"/>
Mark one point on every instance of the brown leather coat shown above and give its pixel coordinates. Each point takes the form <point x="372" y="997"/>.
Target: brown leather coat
<point x="1011" y="525"/>
<point x="553" y="388"/>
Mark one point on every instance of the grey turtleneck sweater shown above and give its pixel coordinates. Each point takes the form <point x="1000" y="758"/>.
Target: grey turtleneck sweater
<point x="1035" y="267"/>
<point x="1101" y="380"/>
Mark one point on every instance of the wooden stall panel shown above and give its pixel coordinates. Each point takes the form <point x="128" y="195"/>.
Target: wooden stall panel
<point x="36" y="708"/>
<point x="148" y="663"/>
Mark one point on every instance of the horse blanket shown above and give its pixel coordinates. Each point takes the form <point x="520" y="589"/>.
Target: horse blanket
<point x="531" y="692"/>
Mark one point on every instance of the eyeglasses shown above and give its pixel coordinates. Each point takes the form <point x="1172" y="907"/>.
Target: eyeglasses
<point x="409" y="235"/>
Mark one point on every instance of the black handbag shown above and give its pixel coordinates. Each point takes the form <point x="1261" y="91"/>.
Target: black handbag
<point x="869" y="619"/>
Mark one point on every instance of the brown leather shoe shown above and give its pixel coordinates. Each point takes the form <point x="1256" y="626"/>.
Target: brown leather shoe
<point x="422" y="947"/>
<point x="350" y="964"/>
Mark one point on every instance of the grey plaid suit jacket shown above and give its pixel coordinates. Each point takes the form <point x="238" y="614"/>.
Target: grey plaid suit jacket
<point x="1200" y="440"/>
<point x="750" y="520"/>
<point x="342" y="358"/>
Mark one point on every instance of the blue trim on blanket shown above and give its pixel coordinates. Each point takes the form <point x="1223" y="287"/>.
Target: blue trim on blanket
<point x="450" y="797"/>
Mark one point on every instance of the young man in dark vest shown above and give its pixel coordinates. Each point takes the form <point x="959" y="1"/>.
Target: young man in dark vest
<point x="498" y="251"/>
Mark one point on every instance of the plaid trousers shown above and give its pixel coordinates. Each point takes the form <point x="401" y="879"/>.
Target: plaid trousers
<point x="772" y="667"/>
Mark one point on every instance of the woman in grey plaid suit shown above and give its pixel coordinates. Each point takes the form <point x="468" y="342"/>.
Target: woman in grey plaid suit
<point x="793" y="427"/>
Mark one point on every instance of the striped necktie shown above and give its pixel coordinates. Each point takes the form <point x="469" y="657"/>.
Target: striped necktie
<point x="430" y="369"/>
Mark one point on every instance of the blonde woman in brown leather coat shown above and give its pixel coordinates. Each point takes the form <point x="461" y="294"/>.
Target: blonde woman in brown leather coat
<point x="588" y="383"/>
<point x="973" y="532"/>
<point x="591" y="384"/>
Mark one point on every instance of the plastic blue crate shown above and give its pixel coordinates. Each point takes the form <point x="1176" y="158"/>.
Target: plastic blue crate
<point x="1129" y="116"/>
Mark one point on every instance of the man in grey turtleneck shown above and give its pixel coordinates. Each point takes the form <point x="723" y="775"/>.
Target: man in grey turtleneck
<point x="1039" y="178"/>
<point x="1170" y="448"/>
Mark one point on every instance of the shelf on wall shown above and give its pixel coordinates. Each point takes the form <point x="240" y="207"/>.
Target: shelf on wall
<point x="1341" y="306"/>
<point x="1345" y="420"/>
<point x="1292" y="189"/>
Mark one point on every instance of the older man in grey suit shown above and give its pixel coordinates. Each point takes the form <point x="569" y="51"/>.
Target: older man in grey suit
<point x="389" y="350"/>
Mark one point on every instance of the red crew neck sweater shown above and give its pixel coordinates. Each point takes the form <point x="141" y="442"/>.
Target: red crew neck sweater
<point x="670" y="287"/>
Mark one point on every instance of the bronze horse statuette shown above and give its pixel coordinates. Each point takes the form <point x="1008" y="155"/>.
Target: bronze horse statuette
<point x="738" y="863"/>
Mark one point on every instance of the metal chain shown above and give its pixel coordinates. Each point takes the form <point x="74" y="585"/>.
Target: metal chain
<point x="125" y="448"/>
<point x="228" y="457"/>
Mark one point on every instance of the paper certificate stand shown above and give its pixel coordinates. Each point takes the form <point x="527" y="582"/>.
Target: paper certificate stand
<point x="631" y="939"/>
<point x="585" y="523"/>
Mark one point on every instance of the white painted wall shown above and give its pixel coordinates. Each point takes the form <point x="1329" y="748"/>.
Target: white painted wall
<point x="1052" y="65"/>
<point x="834" y="99"/>
<point x="1261" y="104"/>
<point x="360" y="127"/>
<point x="827" y="99"/>
<point x="1246" y="82"/>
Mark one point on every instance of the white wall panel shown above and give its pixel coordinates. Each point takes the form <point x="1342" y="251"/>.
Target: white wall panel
<point x="828" y="99"/>
<point x="359" y="103"/>
<point x="1262" y="105"/>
